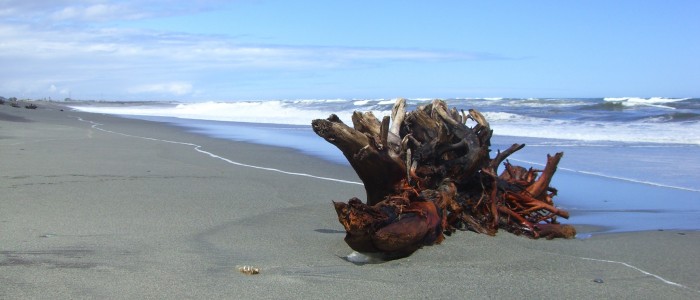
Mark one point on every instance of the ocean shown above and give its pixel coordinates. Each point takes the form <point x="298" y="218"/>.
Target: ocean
<point x="629" y="163"/>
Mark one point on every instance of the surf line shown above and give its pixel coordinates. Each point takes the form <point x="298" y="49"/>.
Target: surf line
<point x="199" y="149"/>
<point x="666" y="281"/>
<point x="614" y="177"/>
<point x="638" y="269"/>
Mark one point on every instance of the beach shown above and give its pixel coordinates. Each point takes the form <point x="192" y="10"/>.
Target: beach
<point x="98" y="206"/>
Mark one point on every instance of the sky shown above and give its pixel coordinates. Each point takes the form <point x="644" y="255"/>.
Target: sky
<point x="211" y="50"/>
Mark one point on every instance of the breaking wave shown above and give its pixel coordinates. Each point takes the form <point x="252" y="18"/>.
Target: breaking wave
<point x="662" y="120"/>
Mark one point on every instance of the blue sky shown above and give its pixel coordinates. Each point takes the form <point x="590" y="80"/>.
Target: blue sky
<point x="259" y="49"/>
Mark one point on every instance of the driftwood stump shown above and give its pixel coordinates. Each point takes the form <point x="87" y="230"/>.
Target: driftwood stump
<point x="427" y="173"/>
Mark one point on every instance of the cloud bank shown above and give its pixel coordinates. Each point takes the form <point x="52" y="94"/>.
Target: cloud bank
<point x="50" y="47"/>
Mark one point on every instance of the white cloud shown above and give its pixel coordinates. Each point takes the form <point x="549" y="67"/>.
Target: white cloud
<point x="115" y="61"/>
<point x="172" y="88"/>
<point x="101" y="10"/>
<point x="98" y="12"/>
<point x="66" y="13"/>
<point x="38" y="11"/>
<point x="102" y="48"/>
<point x="84" y="54"/>
<point x="53" y="89"/>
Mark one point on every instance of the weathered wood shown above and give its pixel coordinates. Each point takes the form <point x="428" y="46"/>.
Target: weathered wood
<point x="427" y="173"/>
<point x="366" y="123"/>
<point x="378" y="171"/>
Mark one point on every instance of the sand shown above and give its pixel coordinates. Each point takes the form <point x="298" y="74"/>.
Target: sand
<point x="96" y="206"/>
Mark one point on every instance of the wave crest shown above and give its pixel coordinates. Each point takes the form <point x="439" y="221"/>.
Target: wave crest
<point x="596" y="121"/>
<point x="653" y="101"/>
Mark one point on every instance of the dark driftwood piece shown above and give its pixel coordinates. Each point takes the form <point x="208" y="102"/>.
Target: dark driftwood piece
<point x="426" y="174"/>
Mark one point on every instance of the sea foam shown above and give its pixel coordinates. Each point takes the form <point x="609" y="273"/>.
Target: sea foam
<point x="512" y="117"/>
<point x="653" y="101"/>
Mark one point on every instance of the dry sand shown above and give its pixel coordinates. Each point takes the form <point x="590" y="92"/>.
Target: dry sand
<point x="131" y="209"/>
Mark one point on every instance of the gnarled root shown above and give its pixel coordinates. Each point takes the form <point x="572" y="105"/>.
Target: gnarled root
<point x="428" y="173"/>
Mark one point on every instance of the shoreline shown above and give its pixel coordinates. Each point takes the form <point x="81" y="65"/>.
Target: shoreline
<point x="91" y="213"/>
<point x="605" y="207"/>
<point x="684" y="180"/>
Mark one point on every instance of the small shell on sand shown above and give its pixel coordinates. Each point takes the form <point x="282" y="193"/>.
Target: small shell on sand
<point x="248" y="270"/>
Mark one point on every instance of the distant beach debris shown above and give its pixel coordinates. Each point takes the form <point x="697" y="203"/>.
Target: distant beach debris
<point x="427" y="174"/>
<point x="16" y="103"/>
<point x="12" y="100"/>
<point x="249" y="270"/>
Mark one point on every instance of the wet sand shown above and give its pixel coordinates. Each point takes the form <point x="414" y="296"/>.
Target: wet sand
<point x="96" y="206"/>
